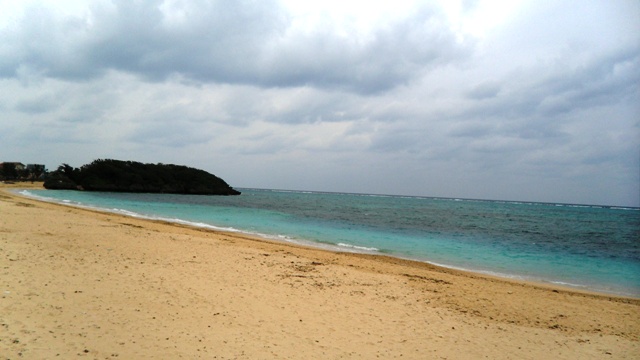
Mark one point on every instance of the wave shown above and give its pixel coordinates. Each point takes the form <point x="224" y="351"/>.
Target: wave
<point x="27" y="193"/>
<point x="625" y="208"/>
<point x="359" y="248"/>
<point x="620" y="291"/>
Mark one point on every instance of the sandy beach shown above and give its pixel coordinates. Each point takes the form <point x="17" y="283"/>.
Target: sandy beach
<point x="79" y="283"/>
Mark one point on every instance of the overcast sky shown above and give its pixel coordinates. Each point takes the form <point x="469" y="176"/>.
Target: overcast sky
<point x="514" y="100"/>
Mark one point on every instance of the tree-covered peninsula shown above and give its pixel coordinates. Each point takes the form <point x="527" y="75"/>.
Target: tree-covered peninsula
<point x="131" y="176"/>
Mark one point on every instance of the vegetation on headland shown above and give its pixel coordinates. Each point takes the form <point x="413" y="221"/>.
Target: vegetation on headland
<point x="131" y="176"/>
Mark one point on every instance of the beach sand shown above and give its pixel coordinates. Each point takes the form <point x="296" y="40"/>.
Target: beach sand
<point x="76" y="283"/>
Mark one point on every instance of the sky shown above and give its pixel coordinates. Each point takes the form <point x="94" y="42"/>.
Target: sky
<point x="506" y="100"/>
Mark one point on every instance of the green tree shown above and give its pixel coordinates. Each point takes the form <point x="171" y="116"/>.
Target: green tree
<point x="9" y="171"/>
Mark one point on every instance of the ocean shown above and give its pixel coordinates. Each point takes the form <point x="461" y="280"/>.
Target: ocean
<point x="593" y="248"/>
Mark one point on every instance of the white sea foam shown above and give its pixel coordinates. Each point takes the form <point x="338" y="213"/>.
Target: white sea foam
<point x="200" y="225"/>
<point x="591" y="287"/>
<point x="358" y="248"/>
<point x="158" y="218"/>
<point x="568" y="284"/>
<point x="122" y="212"/>
<point x="624" y="208"/>
<point x="29" y="194"/>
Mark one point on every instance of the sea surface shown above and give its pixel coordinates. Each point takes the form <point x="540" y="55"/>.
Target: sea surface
<point x="588" y="247"/>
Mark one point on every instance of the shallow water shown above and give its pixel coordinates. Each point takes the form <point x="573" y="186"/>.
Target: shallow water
<point x="590" y="247"/>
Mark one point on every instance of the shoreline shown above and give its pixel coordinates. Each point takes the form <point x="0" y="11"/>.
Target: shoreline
<point x="547" y="284"/>
<point x="83" y="282"/>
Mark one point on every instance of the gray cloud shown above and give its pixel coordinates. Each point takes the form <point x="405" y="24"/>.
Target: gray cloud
<point x="39" y="105"/>
<point x="535" y="110"/>
<point x="485" y="90"/>
<point x="393" y="56"/>
<point x="534" y="103"/>
<point x="547" y="121"/>
<point x="170" y="133"/>
<point x="227" y="42"/>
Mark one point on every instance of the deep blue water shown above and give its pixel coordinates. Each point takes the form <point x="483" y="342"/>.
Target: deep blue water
<point x="590" y="247"/>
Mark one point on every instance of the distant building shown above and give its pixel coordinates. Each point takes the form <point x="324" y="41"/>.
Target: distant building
<point x="11" y="170"/>
<point x="35" y="168"/>
<point x="18" y="171"/>
<point x="36" y="171"/>
<point x="17" y="165"/>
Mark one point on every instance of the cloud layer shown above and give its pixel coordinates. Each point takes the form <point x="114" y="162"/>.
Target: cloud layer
<point x="541" y="105"/>
<point x="201" y="41"/>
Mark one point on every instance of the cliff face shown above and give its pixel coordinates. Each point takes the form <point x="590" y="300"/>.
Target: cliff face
<point x="130" y="176"/>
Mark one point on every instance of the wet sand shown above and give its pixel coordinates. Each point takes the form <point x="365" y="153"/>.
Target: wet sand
<point x="79" y="283"/>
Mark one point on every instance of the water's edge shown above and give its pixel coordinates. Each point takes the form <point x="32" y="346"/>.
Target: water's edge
<point x="535" y="281"/>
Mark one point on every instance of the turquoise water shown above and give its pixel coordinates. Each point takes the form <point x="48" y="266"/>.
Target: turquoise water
<point x="590" y="247"/>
